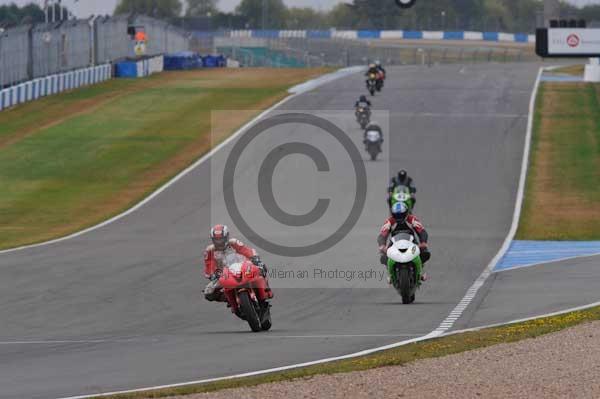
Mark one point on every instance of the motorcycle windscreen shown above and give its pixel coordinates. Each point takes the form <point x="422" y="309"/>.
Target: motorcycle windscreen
<point x="402" y="237"/>
<point x="373" y="136"/>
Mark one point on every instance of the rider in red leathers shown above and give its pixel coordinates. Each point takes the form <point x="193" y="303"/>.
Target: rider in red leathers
<point x="402" y="220"/>
<point x="215" y="257"/>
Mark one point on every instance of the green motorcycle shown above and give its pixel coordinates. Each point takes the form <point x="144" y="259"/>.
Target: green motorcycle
<point x="403" y="194"/>
<point x="405" y="266"/>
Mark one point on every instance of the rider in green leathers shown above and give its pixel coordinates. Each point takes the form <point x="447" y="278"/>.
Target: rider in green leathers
<point x="402" y="186"/>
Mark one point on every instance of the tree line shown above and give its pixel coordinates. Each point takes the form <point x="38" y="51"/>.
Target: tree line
<point x="477" y="15"/>
<point x="12" y="15"/>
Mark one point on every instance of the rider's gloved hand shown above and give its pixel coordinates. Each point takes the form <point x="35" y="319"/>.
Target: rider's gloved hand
<point x="214" y="277"/>
<point x="259" y="263"/>
<point x="383" y="259"/>
<point x="425" y="254"/>
<point x="383" y="254"/>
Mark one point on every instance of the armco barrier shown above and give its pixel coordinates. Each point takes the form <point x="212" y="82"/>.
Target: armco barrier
<point x="182" y="61"/>
<point x="432" y="35"/>
<point x="369" y="34"/>
<point x="412" y="34"/>
<point x="454" y="35"/>
<point x="318" y="34"/>
<point x="384" y="34"/>
<point x="491" y="36"/>
<point x="521" y="37"/>
<point x="139" y="69"/>
<point x="53" y="84"/>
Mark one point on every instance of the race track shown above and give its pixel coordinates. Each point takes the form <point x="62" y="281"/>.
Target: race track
<point x="536" y="290"/>
<point x="121" y="307"/>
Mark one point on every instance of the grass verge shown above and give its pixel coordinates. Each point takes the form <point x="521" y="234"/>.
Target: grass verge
<point x="575" y="70"/>
<point x="433" y="348"/>
<point x="72" y="160"/>
<point x="562" y="198"/>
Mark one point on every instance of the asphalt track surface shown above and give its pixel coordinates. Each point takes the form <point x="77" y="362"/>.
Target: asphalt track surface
<point x="121" y="307"/>
<point x="536" y="290"/>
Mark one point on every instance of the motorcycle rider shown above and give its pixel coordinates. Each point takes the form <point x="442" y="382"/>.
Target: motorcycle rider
<point x="362" y="102"/>
<point x="380" y="68"/>
<point x="402" y="220"/>
<point x="372" y="69"/>
<point x="402" y="179"/>
<point x="215" y="257"/>
<point x="373" y="126"/>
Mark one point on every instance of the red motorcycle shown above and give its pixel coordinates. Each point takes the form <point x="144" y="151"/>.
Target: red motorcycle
<point x="247" y="293"/>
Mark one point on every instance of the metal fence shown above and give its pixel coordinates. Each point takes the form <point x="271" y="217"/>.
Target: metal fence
<point x="30" y="52"/>
<point x="14" y="55"/>
<point x="110" y="39"/>
<point x="346" y="52"/>
<point x="60" y="47"/>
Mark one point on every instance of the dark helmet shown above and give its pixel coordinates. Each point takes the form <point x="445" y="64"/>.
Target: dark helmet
<point x="373" y="126"/>
<point x="400" y="212"/>
<point x="402" y="176"/>
<point x="363" y="98"/>
<point x="219" y="235"/>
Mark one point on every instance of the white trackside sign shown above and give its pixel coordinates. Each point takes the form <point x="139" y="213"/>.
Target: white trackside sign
<point x="567" y="41"/>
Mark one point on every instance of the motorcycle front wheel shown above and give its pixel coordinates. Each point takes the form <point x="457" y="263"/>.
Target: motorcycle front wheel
<point x="406" y="286"/>
<point x="373" y="154"/>
<point x="249" y="312"/>
<point x="266" y="317"/>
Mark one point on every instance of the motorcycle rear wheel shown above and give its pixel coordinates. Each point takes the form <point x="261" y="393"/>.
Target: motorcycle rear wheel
<point x="249" y="312"/>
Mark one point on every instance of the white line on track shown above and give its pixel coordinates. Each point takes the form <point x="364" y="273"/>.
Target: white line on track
<point x="267" y="371"/>
<point x="472" y="292"/>
<point x="160" y="190"/>
<point x="545" y="263"/>
<point x="78" y="341"/>
<point x="558" y="313"/>
<point x="293" y="91"/>
<point x="339" y="336"/>
<point x="458" y="115"/>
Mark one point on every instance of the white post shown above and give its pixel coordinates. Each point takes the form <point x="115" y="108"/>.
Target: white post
<point x="592" y="71"/>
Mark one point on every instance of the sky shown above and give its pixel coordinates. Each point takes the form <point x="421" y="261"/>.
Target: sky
<point x="84" y="8"/>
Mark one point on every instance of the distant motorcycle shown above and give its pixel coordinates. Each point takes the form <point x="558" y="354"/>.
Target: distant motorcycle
<point x="372" y="83"/>
<point x="380" y="81"/>
<point x="403" y="194"/>
<point x="373" y="142"/>
<point x="363" y="116"/>
<point x="245" y="289"/>
<point x="405" y="266"/>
